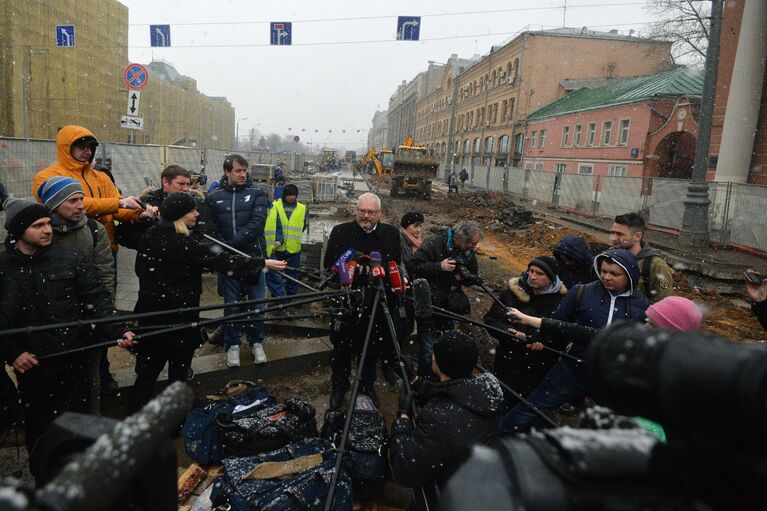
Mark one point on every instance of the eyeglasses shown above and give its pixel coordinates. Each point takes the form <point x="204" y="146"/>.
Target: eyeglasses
<point x="368" y="212"/>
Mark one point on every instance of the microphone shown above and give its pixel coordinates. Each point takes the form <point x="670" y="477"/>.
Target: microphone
<point x="351" y="268"/>
<point x="344" y="258"/>
<point x="421" y="298"/>
<point x="363" y="270"/>
<point x="376" y="270"/>
<point x="343" y="275"/>
<point x="395" y="279"/>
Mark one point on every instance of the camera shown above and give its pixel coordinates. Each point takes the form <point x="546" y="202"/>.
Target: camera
<point x="709" y="394"/>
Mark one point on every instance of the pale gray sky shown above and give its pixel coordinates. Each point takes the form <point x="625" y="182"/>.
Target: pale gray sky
<point x="339" y="69"/>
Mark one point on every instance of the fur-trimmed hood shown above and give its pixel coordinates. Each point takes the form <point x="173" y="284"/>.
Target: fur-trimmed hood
<point x="522" y="291"/>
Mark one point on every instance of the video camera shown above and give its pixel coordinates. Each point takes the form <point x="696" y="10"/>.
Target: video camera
<point x="709" y="394"/>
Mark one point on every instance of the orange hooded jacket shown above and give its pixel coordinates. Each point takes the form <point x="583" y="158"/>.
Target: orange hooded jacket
<point x="101" y="195"/>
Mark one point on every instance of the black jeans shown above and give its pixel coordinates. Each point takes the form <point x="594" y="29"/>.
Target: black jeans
<point x="149" y="365"/>
<point x="46" y="396"/>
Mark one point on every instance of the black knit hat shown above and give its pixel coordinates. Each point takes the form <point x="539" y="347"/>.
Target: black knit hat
<point x="456" y="354"/>
<point x="20" y="214"/>
<point x="546" y="263"/>
<point x="290" y="189"/>
<point x="411" y="217"/>
<point x="176" y="205"/>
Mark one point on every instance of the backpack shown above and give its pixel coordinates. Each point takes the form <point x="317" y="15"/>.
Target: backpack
<point x="201" y="440"/>
<point x="258" y="430"/>
<point x="305" y="489"/>
<point x="366" y="447"/>
<point x="645" y="275"/>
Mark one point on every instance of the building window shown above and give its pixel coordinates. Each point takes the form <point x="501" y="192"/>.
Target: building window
<point x="533" y="139"/>
<point x="543" y="138"/>
<point x="489" y="145"/>
<point x="617" y="171"/>
<point x="503" y="144"/>
<point x="504" y="109"/>
<point x="578" y="135"/>
<point x="592" y="134"/>
<point x="565" y="135"/>
<point x="561" y="168"/>
<point x="477" y="145"/>
<point x="623" y="138"/>
<point x="511" y="109"/>
<point x="585" y="168"/>
<point x="528" y="166"/>
<point x="539" y="166"/>
<point x="466" y="146"/>
<point x="519" y="143"/>
<point x="607" y="132"/>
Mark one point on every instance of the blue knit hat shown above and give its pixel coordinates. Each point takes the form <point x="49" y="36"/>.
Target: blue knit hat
<point x="56" y="190"/>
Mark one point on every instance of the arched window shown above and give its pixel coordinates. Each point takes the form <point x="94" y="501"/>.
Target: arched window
<point x="503" y="144"/>
<point x="516" y="70"/>
<point x="495" y="77"/>
<point x="477" y="145"/>
<point x="489" y="145"/>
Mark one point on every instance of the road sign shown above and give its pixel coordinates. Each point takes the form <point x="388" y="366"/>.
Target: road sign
<point x="135" y="76"/>
<point x="65" y="35"/>
<point x="159" y="35"/>
<point x="132" y="123"/>
<point x="134" y="97"/>
<point x="408" y="28"/>
<point x="281" y="33"/>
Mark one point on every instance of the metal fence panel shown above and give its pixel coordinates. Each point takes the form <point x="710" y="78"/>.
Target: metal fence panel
<point x="479" y="177"/>
<point x="324" y="188"/>
<point x="541" y="186"/>
<point x="187" y="157"/>
<point x="133" y="165"/>
<point x="497" y="176"/>
<point x="214" y="163"/>
<point x="576" y="191"/>
<point x="620" y="195"/>
<point x="748" y="218"/>
<point x="516" y="180"/>
<point x="665" y="202"/>
<point x="20" y="160"/>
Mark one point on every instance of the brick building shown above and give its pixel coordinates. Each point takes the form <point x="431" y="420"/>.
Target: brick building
<point x="739" y="131"/>
<point x="378" y="134"/>
<point x="485" y="125"/>
<point x="402" y="104"/>
<point x="640" y="126"/>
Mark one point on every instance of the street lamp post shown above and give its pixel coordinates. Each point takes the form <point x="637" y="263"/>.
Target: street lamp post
<point x="237" y="133"/>
<point x="694" y="230"/>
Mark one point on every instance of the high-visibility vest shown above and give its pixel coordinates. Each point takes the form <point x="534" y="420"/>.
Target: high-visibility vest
<point x="292" y="228"/>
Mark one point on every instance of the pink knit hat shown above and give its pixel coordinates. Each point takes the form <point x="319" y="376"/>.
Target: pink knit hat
<point x="675" y="313"/>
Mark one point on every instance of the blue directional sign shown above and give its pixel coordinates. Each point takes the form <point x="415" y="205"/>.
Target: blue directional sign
<point x="159" y="35"/>
<point x="408" y="28"/>
<point x="280" y="33"/>
<point x="65" y="35"/>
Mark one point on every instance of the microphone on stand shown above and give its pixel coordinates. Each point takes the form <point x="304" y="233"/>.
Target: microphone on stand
<point x="395" y="278"/>
<point x="376" y="270"/>
<point x="421" y="298"/>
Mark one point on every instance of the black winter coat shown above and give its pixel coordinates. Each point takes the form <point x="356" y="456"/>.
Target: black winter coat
<point x="169" y="267"/>
<point x="426" y="262"/>
<point x="760" y="311"/>
<point x="577" y="249"/>
<point x="56" y="284"/>
<point x="384" y="239"/>
<point x="458" y="414"/>
<point x="516" y="365"/>
<point x="237" y="216"/>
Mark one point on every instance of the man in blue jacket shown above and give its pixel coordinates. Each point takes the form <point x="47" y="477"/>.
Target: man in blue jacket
<point x="237" y="217"/>
<point x="614" y="297"/>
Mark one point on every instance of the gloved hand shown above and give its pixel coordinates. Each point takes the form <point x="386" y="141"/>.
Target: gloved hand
<point x="467" y="277"/>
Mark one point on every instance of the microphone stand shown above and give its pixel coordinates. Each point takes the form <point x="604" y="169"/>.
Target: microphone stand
<point x="341" y="448"/>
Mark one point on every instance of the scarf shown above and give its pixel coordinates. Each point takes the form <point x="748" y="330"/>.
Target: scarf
<point x="415" y="243"/>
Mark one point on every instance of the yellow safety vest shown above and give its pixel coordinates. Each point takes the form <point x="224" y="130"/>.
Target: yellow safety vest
<point x="292" y="229"/>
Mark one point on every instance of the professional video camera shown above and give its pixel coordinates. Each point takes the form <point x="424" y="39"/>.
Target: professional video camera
<point x="709" y="394"/>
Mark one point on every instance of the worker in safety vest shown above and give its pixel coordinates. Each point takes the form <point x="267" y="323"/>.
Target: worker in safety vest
<point x="285" y="224"/>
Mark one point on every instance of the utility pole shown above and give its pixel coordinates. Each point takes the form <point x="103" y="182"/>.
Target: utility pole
<point x="694" y="231"/>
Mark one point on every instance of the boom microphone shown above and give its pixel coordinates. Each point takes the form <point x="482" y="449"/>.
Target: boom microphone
<point x="395" y="279"/>
<point x="421" y="298"/>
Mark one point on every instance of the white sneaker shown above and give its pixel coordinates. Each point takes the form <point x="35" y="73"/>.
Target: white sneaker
<point x="259" y="357"/>
<point x="233" y="356"/>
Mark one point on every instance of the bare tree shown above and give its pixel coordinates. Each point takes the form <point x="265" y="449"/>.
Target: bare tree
<point x="685" y="23"/>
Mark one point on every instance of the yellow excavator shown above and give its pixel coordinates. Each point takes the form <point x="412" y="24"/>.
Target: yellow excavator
<point x="370" y="157"/>
<point x="413" y="170"/>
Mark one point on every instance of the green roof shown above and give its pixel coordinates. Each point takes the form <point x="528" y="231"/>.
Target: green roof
<point x="679" y="82"/>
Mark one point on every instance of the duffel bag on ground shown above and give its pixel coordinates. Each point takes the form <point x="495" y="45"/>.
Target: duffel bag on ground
<point x="201" y="440"/>
<point x="366" y="446"/>
<point x="303" y="473"/>
<point x="252" y="432"/>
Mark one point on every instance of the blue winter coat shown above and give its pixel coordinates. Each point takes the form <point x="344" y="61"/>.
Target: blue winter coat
<point x="238" y="215"/>
<point x="597" y="307"/>
<point x="578" y="249"/>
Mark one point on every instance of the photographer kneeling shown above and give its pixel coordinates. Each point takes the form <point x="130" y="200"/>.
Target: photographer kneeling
<point x="460" y="411"/>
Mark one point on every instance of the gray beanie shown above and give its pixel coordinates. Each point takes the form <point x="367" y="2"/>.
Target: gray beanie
<point x="56" y="190"/>
<point x="20" y="214"/>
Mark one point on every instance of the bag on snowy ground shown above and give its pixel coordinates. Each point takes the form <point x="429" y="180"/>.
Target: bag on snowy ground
<point x="310" y="463"/>
<point x="366" y="446"/>
<point x="201" y="440"/>
<point x="262" y="430"/>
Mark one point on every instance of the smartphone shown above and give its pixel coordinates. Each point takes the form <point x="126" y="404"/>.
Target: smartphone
<point x="753" y="277"/>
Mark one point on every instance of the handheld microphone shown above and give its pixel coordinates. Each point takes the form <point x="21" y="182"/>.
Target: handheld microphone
<point x="351" y="268"/>
<point x="376" y="270"/>
<point x="395" y="279"/>
<point x="344" y="258"/>
<point x="363" y="270"/>
<point x="343" y="275"/>
<point x="421" y="298"/>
